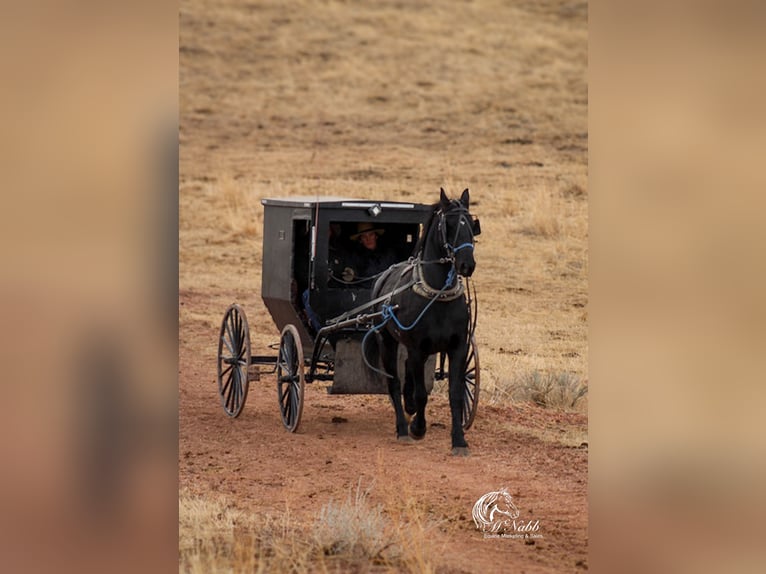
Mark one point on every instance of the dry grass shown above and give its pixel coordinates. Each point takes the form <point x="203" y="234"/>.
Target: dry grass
<point x="542" y="215"/>
<point x="571" y="437"/>
<point x="490" y="96"/>
<point x="353" y="527"/>
<point x="413" y="536"/>
<point x="214" y="536"/>
<point x="349" y="535"/>
<point x="551" y="390"/>
<point x="206" y="536"/>
<point x="396" y="534"/>
<point x="412" y="525"/>
<point x="239" y="206"/>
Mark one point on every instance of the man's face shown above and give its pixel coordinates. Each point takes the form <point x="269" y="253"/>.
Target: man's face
<point x="369" y="239"/>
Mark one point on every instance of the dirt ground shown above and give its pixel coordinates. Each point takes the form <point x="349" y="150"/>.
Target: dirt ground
<point x="392" y="100"/>
<point x="255" y="462"/>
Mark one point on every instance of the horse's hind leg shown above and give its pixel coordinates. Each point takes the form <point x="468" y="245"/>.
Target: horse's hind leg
<point x="415" y="369"/>
<point x="457" y="358"/>
<point x="388" y="350"/>
<point x="409" y="387"/>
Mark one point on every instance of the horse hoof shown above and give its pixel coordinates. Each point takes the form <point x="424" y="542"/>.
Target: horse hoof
<point x="417" y="437"/>
<point x="405" y="439"/>
<point x="461" y="451"/>
<point x="413" y="434"/>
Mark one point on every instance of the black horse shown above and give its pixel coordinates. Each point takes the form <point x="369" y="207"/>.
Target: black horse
<point x="427" y="312"/>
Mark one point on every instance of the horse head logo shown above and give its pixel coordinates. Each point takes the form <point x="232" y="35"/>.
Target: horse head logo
<point x="495" y="511"/>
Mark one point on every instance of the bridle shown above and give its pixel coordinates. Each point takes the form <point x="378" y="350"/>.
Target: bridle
<point x="449" y="247"/>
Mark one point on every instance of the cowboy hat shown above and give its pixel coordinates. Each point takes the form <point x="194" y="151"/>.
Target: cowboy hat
<point x="364" y="227"/>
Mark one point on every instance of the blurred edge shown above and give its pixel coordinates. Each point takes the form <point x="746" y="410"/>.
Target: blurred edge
<point x="678" y="276"/>
<point x="88" y="291"/>
<point x="89" y="346"/>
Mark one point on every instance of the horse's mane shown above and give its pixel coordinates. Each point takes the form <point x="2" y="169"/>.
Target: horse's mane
<point x="421" y="243"/>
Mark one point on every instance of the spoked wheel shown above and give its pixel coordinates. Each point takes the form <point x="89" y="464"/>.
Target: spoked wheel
<point x="471" y="380"/>
<point x="290" y="379"/>
<point x="233" y="360"/>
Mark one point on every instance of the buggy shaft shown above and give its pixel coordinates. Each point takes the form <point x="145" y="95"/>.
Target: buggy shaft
<point x="365" y="318"/>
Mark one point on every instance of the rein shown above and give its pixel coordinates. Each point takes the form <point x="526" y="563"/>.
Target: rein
<point x="390" y="315"/>
<point x="422" y="288"/>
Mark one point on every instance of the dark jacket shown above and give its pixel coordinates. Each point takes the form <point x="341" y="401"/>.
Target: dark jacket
<point x="367" y="263"/>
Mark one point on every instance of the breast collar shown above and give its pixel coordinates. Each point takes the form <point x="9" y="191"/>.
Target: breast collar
<point x="427" y="291"/>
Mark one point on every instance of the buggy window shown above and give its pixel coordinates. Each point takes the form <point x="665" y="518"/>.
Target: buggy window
<point x="350" y="264"/>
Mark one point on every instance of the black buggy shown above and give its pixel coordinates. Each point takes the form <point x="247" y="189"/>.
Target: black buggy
<point x="322" y="311"/>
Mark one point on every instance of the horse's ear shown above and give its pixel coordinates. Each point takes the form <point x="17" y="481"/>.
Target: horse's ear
<point x="443" y="199"/>
<point x="464" y="199"/>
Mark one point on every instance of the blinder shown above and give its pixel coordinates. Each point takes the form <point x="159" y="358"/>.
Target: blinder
<point x="465" y="219"/>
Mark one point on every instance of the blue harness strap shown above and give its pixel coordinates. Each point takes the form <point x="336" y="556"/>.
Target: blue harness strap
<point x="390" y="315"/>
<point x="388" y="311"/>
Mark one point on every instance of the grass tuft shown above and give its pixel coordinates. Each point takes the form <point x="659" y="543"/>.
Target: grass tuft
<point x="352" y="528"/>
<point x="550" y="390"/>
<point x="215" y="536"/>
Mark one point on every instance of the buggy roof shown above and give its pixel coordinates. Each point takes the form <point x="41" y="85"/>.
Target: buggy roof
<point x="334" y="201"/>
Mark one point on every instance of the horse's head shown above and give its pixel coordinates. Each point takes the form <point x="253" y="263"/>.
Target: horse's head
<point x="457" y="229"/>
<point x="505" y="505"/>
<point x="495" y="512"/>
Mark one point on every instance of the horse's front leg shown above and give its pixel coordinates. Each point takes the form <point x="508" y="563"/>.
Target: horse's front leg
<point x="388" y="350"/>
<point x="457" y="359"/>
<point x="416" y="370"/>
